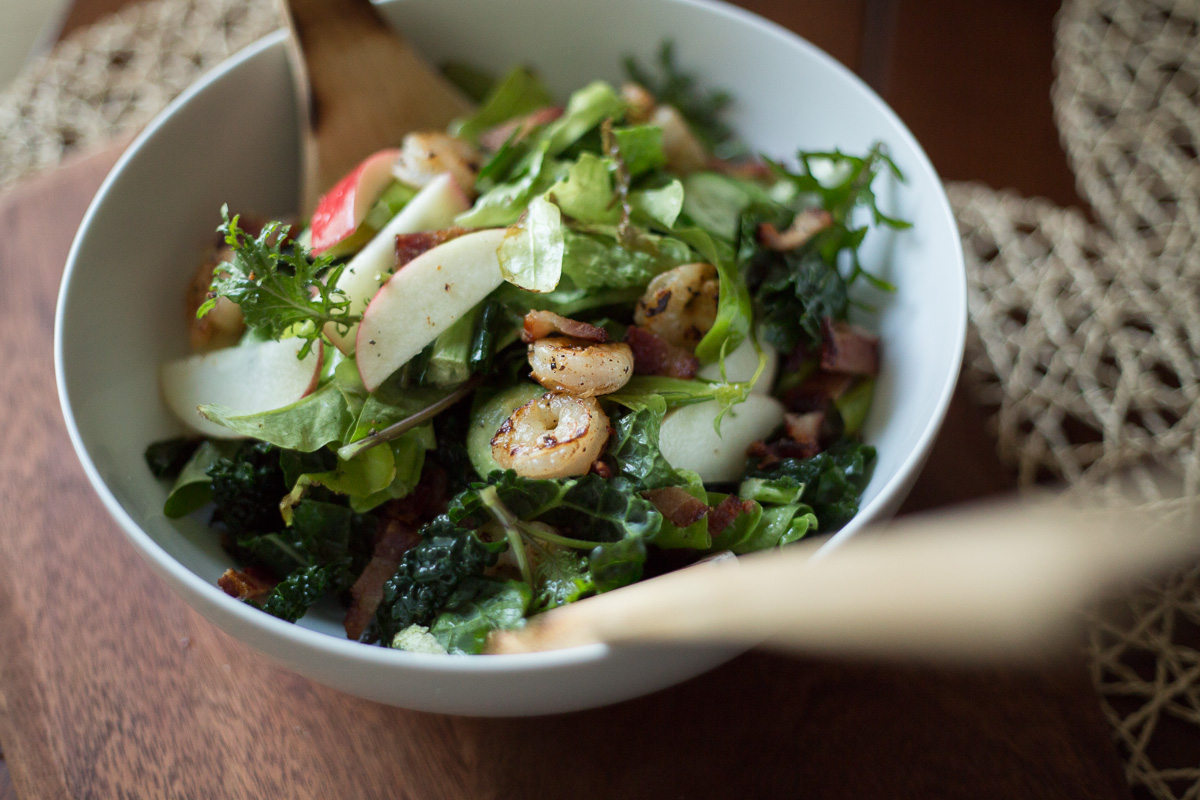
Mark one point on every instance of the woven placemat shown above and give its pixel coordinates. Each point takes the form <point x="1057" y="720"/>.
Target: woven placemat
<point x="1085" y="332"/>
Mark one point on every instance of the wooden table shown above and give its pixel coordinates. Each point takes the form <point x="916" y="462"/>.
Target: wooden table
<point x="111" y="687"/>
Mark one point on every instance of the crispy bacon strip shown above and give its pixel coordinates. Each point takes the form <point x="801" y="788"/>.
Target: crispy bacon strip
<point x="247" y="584"/>
<point x="653" y="355"/>
<point x="769" y="453"/>
<point x="849" y="349"/>
<point x="817" y="392"/>
<point x="399" y="532"/>
<point x="805" y="429"/>
<point x="805" y="225"/>
<point x="723" y="514"/>
<point x="540" y="324"/>
<point x="677" y="505"/>
<point x="411" y="245"/>
<point x="494" y="138"/>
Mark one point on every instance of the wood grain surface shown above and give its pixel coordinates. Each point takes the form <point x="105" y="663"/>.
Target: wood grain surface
<point x="111" y="687"/>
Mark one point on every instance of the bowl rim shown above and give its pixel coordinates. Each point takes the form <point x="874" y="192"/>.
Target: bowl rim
<point x="295" y="635"/>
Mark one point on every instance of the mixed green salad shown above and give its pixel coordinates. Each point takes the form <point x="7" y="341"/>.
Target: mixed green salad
<point x="548" y="353"/>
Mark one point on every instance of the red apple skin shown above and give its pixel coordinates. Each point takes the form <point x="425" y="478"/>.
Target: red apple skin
<point x="342" y="209"/>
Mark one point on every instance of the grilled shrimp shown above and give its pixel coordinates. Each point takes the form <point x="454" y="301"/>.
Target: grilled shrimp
<point x="683" y="150"/>
<point x="680" y="305"/>
<point x="584" y="369"/>
<point x="427" y="154"/>
<point x="553" y="436"/>
<point x="223" y="325"/>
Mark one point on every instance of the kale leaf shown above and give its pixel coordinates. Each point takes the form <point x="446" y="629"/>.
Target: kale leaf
<point x="281" y="289"/>
<point x="247" y="489"/>
<point x="833" y="480"/>
<point x="428" y="576"/>
<point x="478" y="607"/>
<point x="293" y="596"/>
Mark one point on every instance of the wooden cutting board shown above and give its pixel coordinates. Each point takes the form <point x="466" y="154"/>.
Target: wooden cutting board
<point x="110" y="686"/>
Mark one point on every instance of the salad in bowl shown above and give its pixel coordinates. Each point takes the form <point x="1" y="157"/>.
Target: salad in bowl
<point x="547" y="353"/>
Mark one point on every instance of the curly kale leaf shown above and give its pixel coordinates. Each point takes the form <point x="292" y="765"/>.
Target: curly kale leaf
<point x="702" y="109"/>
<point x="293" y="596"/>
<point x="281" y="289"/>
<point x="634" y="450"/>
<point x="832" y="481"/>
<point x="428" y="575"/>
<point x="247" y="489"/>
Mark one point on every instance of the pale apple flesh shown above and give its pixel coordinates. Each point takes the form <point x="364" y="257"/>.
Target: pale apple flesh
<point x="741" y="364"/>
<point x="688" y="441"/>
<point x="431" y="209"/>
<point x="423" y="299"/>
<point x="248" y="379"/>
<point x="342" y="209"/>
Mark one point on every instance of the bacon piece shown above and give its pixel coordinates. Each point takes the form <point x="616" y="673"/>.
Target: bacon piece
<point x="411" y="245"/>
<point x="399" y="532"/>
<point x="747" y="170"/>
<point x="602" y="469"/>
<point x="495" y="137"/>
<point x="398" y="537"/>
<point x="769" y="453"/>
<point x="805" y="225"/>
<point x="540" y="324"/>
<point x="849" y="349"/>
<point x="805" y="429"/>
<point x="724" y="513"/>
<point x="677" y="505"/>
<point x="654" y="355"/>
<point x="247" y="584"/>
<point x="817" y="391"/>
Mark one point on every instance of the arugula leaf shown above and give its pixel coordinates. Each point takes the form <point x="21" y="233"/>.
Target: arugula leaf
<point x="306" y="425"/>
<point x="519" y="92"/>
<point x="280" y="288"/>
<point x="504" y="203"/>
<point x="478" y="607"/>
<point x="531" y="255"/>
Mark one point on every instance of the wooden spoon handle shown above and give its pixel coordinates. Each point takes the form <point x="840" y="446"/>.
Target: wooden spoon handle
<point x="980" y="584"/>
<point x="363" y="87"/>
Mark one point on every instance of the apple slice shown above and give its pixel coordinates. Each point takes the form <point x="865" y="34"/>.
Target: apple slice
<point x="431" y="209"/>
<point x="248" y="379"/>
<point x="688" y="441"/>
<point x="740" y="366"/>
<point x="343" y="208"/>
<point x="425" y="298"/>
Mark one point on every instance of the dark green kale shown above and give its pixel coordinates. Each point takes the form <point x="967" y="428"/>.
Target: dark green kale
<point x="247" y="489"/>
<point x="633" y="448"/>
<point x="702" y="109"/>
<point x="293" y="596"/>
<point x="166" y="459"/>
<point x="478" y="607"/>
<point x="428" y="576"/>
<point x="832" y="481"/>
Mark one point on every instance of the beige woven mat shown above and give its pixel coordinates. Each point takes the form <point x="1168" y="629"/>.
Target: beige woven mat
<point x="1085" y="335"/>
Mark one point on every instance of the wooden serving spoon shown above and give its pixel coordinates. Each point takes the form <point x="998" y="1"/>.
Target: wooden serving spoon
<point x="361" y="87"/>
<point x="985" y="583"/>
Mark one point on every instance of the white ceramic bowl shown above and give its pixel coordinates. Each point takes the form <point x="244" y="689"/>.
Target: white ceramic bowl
<point x="231" y="138"/>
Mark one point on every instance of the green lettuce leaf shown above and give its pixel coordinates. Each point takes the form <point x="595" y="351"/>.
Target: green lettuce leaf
<point x="519" y="92"/>
<point x="531" y="255"/>
<point x="306" y="425"/>
<point x="192" y="489"/>
<point x="586" y="109"/>
<point x="641" y="148"/>
<point x="833" y="480"/>
<point x="503" y="204"/>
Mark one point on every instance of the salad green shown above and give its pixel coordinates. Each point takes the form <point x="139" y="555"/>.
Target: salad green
<point x="645" y="284"/>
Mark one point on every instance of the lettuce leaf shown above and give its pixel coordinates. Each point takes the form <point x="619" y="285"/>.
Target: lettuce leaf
<point x="597" y="261"/>
<point x="519" y="92"/>
<point x="306" y="425"/>
<point x="531" y="254"/>
<point x="586" y="109"/>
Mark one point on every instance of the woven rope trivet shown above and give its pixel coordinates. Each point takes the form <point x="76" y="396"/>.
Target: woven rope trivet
<point x="1085" y="335"/>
